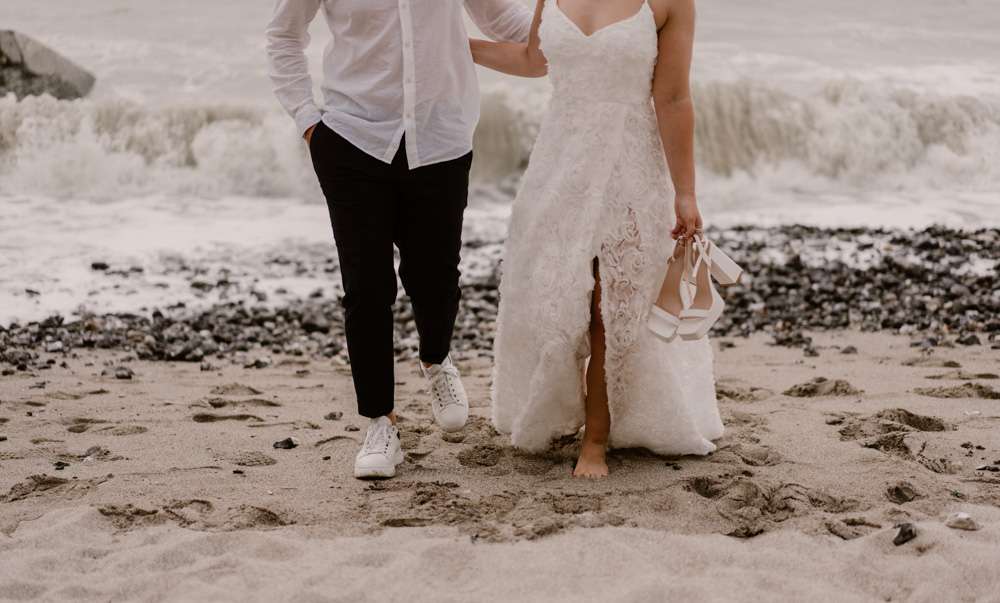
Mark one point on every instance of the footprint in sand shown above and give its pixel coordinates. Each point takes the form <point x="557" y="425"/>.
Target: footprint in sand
<point x="755" y="505"/>
<point x="207" y="417"/>
<point x="128" y="517"/>
<point x="966" y="390"/>
<point x="47" y="485"/>
<point x="81" y="424"/>
<point x="960" y="375"/>
<point x="822" y="387"/>
<point x="887" y="432"/>
<point x="222" y="402"/>
<point x="253" y="459"/>
<point x="931" y="362"/>
<point x="235" y="389"/>
<point x="756" y="456"/>
<point x="741" y="394"/>
<point x="483" y="455"/>
<point x="124" y="430"/>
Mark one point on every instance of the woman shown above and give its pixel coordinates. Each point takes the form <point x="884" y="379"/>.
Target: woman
<point x="590" y="237"/>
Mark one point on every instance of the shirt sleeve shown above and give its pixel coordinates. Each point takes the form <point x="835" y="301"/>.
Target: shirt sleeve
<point x="287" y="38"/>
<point x="501" y="20"/>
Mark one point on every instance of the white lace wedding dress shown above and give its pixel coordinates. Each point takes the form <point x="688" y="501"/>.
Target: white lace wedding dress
<point x="597" y="186"/>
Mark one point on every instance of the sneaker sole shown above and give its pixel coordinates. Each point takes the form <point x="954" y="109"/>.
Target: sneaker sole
<point x="379" y="472"/>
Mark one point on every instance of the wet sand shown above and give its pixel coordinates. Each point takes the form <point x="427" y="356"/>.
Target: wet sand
<point x="171" y="487"/>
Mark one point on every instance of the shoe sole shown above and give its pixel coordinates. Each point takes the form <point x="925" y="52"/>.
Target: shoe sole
<point x="379" y="472"/>
<point x="449" y="428"/>
<point x="660" y="326"/>
<point x="704" y="325"/>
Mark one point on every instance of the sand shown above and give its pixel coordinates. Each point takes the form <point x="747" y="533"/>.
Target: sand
<point x="172" y="489"/>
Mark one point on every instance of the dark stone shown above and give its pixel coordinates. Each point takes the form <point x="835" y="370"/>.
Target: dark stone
<point x="28" y="68"/>
<point x="286" y="444"/>
<point x="906" y="533"/>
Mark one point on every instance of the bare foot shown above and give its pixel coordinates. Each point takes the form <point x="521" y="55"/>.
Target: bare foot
<point x="592" y="463"/>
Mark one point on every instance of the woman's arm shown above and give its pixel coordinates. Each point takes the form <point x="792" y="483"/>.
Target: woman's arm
<point x="525" y="60"/>
<point x="675" y="111"/>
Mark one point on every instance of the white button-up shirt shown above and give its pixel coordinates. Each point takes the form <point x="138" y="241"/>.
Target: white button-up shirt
<point x="393" y="67"/>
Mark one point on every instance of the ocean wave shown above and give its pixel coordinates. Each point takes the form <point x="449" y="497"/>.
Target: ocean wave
<point x="847" y="133"/>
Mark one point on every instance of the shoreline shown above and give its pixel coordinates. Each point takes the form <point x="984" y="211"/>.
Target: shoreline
<point x="937" y="286"/>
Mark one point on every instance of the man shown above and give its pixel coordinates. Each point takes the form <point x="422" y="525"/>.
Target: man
<point x="392" y="145"/>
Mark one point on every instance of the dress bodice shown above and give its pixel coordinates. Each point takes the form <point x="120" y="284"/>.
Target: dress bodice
<point x="613" y="64"/>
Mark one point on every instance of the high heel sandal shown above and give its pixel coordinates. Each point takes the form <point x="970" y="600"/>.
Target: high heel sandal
<point x="661" y="322"/>
<point x="696" y="322"/>
<point x="722" y="267"/>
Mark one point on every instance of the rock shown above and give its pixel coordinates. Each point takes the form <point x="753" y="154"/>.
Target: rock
<point x="287" y="444"/>
<point x="969" y="339"/>
<point x="29" y="68"/>
<point x="990" y="468"/>
<point x="118" y="372"/>
<point x="906" y="533"/>
<point x="54" y="346"/>
<point x="961" y="521"/>
<point x="334" y="416"/>
<point x="258" y="363"/>
<point x="60" y="465"/>
<point x="849" y="350"/>
<point x="99" y="266"/>
<point x="352" y="428"/>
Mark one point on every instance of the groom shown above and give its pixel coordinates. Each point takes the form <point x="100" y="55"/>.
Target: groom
<point x="391" y="144"/>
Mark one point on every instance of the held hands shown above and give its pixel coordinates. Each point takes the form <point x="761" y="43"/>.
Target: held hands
<point x="688" y="216"/>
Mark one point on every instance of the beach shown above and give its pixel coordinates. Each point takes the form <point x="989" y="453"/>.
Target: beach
<point x="167" y="485"/>
<point x="177" y="414"/>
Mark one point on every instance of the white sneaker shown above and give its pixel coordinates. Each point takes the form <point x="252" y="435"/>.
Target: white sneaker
<point x="449" y="403"/>
<point x="380" y="453"/>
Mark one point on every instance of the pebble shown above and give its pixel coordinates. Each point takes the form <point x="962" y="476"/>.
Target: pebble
<point x="287" y="443"/>
<point x="118" y="372"/>
<point x="352" y="428"/>
<point x="849" y="350"/>
<point x="906" y="533"/>
<point x="991" y="468"/>
<point x="60" y="465"/>
<point x="961" y="521"/>
<point x="333" y="416"/>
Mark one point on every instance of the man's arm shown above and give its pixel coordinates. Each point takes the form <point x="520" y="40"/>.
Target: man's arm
<point x="501" y="20"/>
<point x="287" y="38"/>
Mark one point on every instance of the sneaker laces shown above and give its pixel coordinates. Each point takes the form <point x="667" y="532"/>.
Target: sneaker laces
<point x="443" y="383"/>
<point x="377" y="439"/>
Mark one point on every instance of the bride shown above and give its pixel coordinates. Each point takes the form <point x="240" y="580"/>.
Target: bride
<point x="589" y="271"/>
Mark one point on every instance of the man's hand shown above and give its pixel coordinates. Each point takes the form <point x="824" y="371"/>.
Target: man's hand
<point x="688" y="216"/>
<point x="309" y="133"/>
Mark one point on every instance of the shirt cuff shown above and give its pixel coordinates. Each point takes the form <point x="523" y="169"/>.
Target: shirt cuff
<point x="307" y="117"/>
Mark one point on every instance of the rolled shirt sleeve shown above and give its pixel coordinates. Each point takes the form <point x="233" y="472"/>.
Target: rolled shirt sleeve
<point x="287" y="38"/>
<point x="501" y="20"/>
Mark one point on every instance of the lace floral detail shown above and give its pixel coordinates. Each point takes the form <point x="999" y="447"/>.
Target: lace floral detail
<point x="596" y="187"/>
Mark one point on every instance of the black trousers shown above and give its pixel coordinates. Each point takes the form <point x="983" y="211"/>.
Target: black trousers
<point x="374" y="206"/>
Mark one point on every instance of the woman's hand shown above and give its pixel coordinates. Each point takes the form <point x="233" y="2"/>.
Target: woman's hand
<point x="309" y="133"/>
<point x="688" y="216"/>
